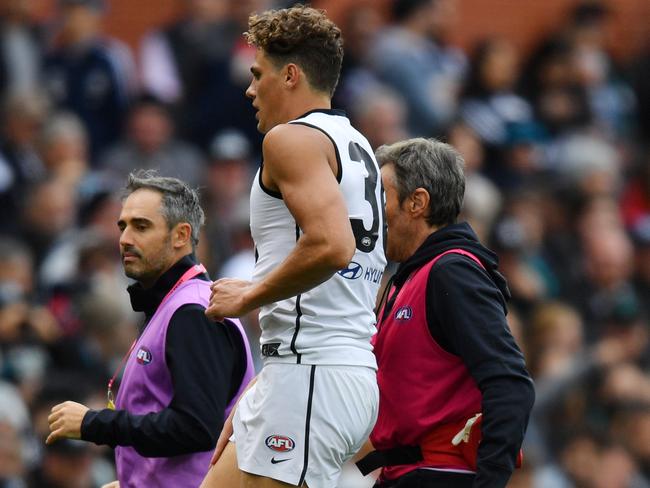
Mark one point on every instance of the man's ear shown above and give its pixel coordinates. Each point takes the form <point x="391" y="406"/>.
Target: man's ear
<point x="292" y="75"/>
<point x="418" y="203"/>
<point x="181" y="235"/>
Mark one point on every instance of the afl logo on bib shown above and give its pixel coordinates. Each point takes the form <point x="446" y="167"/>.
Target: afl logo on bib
<point x="143" y="356"/>
<point x="404" y="313"/>
<point x="280" y="443"/>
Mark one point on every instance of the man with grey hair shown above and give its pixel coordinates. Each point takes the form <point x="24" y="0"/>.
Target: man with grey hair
<point x="450" y="373"/>
<point x="183" y="373"/>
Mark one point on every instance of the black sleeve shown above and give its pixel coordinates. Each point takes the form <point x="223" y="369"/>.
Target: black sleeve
<point x="466" y="313"/>
<point x="205" y="361"/>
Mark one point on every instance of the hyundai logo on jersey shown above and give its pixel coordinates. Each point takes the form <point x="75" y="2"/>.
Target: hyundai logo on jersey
<point x="352" y="272"/>
<point x="280" y="443"/>
<point x="143" y="356"/>
<point x="404" y="313"/>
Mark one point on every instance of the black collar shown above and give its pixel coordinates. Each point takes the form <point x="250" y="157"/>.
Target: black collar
<point x="328" y="111"/>
<point x="148" y="300"/>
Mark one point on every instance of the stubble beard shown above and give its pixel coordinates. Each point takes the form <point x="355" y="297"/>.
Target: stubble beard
<point x="147" y="271"/>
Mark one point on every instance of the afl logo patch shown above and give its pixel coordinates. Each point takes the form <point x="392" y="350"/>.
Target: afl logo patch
<point x="352" y="272"/>
<point x="404" y="313"/>
<point x="143" y="356"/>
<point x="280" y="443"/>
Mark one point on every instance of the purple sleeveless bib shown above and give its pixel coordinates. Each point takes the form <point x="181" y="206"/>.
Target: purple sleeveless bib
<point x="147" y="387"/>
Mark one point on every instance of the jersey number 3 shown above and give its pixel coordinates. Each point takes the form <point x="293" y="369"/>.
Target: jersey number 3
<point x="367" y="238"/>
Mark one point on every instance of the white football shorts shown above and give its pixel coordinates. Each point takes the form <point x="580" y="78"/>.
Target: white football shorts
<point x="300" y="423"/>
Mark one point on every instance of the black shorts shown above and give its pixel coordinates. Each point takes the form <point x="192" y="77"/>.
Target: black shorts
<point x="427" y="478"/>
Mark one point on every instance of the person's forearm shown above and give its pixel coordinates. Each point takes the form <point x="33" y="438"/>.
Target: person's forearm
<point x="309" y="264"/>
<point x="506" y="407"/>
<point x="161" y="434"/>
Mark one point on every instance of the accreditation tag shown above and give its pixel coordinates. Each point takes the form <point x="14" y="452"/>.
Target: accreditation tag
<point x="110" y="404"/>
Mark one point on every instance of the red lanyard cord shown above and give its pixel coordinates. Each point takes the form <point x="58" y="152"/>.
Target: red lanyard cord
<point x="194" y="271"/>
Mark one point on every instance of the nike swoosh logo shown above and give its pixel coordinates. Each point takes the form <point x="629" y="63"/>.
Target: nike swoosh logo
<point x="276" y="461"/>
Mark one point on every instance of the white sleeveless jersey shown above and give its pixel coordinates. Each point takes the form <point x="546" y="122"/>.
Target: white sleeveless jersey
<point x="333" y="322"/>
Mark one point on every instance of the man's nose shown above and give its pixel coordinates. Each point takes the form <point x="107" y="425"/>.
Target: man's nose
<point x="250" y="91"/>
<point x="125" y="238"/>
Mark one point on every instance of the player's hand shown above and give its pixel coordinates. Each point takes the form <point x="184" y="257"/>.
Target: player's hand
<point x="112" y="484"/>
<point x="65" y="421"/>
<point x="224" y="438"/>
<point x="228" y="299"/>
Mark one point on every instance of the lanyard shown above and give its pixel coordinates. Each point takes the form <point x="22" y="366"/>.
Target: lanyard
<point x="194" y="271"/>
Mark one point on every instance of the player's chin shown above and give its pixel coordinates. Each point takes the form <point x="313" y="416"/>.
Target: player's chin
<point x="261" y="127"/>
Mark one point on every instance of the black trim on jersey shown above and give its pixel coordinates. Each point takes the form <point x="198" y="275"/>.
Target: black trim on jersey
<point x="298" y="315"/>
<point x="339" y="173"/>
<point x="328" y="111"/>
<point x="297" y="329"/>
<point x="308" y="421"/>
<point x="268" y="191"/>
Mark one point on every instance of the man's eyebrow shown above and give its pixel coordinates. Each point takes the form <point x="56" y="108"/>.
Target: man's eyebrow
<point x="136" y="221"/>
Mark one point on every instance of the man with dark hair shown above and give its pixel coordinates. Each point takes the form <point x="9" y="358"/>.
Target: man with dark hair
<point x="183" y="373"/>
<point x="450" y="373"/>
<point x="316" y="219"/>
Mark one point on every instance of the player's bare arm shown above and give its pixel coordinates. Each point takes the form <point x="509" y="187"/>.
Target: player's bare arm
<point x="298" y="162"/>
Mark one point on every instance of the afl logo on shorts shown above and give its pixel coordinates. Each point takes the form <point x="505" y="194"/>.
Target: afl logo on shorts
<point x="404" y="313"/>
<point x="352" y="272"/>
<point x="143" y="356"/>
<point x="280" y="443"/>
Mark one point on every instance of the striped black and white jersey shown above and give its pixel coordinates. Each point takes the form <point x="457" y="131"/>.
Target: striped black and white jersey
<point x="333" y="322"/>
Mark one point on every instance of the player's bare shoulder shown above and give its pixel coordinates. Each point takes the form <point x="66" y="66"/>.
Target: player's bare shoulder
<point x="295" y="147"/>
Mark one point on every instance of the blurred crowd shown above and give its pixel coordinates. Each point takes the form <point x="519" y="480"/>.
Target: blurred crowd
<point x="557" y="150"/>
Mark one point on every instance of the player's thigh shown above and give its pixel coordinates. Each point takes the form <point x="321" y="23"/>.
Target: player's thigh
<point x="254" y="481"/>
<point x="224" y="474"/>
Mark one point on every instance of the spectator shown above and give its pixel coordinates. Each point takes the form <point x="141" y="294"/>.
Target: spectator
<point x="483" y="199"/>
<point x="518" y="237"/>
<point x="150" y="143"/>
<point x="63" y="148"/>
<point x="223" y="104"/>
<point x="413" y="58"/>
<point x="611" y="100"/>
<point x="549" y="83"/>
<point x="88" y="73"/>
<point x="490" y="105"/>
<point x="174" y="60"/>
<point x="360" y="31"/>
<point x="22" y="44"/>
<point x="380" y="114"/>
<point x="48" y="223"/>
<point x="229" y="180"/>
<point x="606" y="286"/>
<point x="23" y="114"/>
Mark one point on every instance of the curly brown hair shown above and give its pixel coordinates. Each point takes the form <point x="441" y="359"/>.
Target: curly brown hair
<point x="300" y="35"/>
